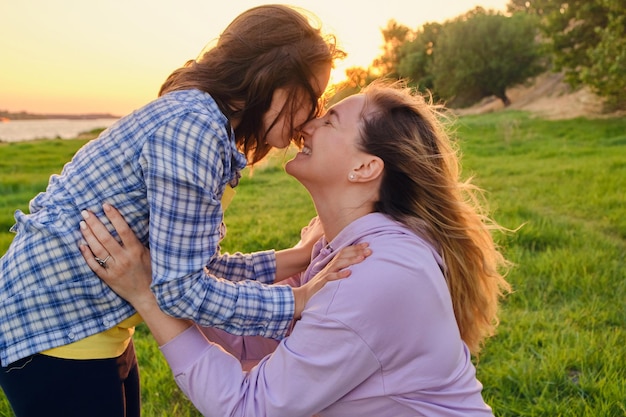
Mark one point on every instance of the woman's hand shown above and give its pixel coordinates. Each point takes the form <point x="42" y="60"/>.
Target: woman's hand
<point x="335" y="269"/>
<point x="124" y="267"/>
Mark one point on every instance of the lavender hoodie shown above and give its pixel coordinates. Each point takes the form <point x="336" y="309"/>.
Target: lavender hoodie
<point x="383" y="342"/>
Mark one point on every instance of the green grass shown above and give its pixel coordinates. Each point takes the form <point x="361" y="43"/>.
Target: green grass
<point x="561" y="345"/>
<point x="25" y="168"/>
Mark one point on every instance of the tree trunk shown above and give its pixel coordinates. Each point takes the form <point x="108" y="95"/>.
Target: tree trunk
<point x="504" y="98"/>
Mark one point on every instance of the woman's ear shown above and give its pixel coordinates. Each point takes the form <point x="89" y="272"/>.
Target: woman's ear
<point x="371" y="169"/>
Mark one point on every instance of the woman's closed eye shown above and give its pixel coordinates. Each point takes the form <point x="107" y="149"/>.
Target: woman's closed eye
<point x="328" y="119"/>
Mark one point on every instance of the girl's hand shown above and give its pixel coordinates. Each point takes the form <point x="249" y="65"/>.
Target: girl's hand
<point x="335" y="269"/>
<point x="311" y="233"/>
<point x="124" y="267"/>
<point x="292" y="261"/>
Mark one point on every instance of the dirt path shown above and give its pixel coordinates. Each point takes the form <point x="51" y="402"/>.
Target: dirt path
<point x="547" y="96"/>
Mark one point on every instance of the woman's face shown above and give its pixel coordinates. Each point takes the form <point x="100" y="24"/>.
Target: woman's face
<point x="330" y="149"/>
<point x="280" y="135"/>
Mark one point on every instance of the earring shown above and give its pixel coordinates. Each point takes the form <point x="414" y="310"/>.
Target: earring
<point x="351" y="176"/>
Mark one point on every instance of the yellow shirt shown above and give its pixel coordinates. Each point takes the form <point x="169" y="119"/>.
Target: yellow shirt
<point x="108" y="344"/>
<point x="113" y="342"/>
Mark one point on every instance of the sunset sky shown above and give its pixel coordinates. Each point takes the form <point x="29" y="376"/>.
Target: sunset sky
<point x="84" y="56"/>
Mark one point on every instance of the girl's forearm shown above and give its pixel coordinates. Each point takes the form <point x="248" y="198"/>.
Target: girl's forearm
<point x="291" y="261"/>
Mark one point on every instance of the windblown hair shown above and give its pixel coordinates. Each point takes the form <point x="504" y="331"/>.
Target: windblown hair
<point x="421" y="188"/>
<point x="263" y="49"/>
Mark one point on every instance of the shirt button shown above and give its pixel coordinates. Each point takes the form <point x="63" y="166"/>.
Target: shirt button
<point x="70" y="336"/>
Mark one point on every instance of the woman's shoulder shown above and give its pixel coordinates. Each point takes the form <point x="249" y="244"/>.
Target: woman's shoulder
<point x="401" y="265"/>
<point x="390" y="241"/>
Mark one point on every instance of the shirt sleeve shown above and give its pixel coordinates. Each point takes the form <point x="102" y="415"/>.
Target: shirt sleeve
<point x="248" y="350"/>
<point x="302" y="377"/>
<point x="186" y="165"/>
<point x="259" y="266"/>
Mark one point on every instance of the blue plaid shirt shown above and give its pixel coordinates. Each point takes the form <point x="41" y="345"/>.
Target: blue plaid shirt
<point x="165" y="167"/>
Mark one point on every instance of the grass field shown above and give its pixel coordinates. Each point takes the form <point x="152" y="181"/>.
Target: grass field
<point x="561" y="345"/>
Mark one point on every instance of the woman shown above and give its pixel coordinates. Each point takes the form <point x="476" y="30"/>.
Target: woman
<point x="65" y="339"/>
<point x="394" y="339"/>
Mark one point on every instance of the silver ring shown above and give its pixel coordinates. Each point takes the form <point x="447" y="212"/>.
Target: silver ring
<point x="102" y="262"/>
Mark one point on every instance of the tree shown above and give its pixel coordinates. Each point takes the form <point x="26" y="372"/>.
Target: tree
<point x="395" y="35"/>
<point x="416" y="57"/>
<point x="587" y="39"/>
<point x="483" y="53"/>
<point x="356" y="79"/>
<point x="607" y="72"/>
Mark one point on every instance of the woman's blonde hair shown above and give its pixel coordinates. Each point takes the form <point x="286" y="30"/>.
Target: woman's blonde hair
<point x="264" y="48"/>
<point x="421" y="188"/>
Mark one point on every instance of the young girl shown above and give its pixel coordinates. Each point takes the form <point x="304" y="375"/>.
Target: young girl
<point x="65" y="337"/>
<point x="395" y="338"/>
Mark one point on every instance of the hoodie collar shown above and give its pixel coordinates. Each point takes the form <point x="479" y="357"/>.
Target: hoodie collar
<point x="362" y="228"/>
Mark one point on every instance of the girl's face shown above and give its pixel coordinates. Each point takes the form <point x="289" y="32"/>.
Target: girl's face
<point x="280" y="135"/>
<point x="330" y="149"/>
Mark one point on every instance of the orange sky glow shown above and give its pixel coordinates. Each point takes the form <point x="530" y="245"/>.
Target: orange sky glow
<point x="75" y="57"/>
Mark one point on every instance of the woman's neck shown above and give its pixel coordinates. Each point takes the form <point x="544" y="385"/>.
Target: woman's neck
<point x="337" y="213"/>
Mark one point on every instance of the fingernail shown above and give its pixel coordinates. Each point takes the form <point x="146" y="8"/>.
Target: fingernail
<point x="83" y="225"/>
<point x="106" y="207"/>
<point x="85" y="214"/>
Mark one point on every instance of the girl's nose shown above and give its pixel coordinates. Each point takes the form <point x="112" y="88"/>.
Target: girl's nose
<point x="307" y="128"/>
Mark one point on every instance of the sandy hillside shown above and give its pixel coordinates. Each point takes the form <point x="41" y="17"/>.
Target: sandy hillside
<point x="548" y="96"/>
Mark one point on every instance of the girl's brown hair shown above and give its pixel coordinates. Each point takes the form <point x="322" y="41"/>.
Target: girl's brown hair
<point x="263" y="49"/>
<point x="421" y="188"/>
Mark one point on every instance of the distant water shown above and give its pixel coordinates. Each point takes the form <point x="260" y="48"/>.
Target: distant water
<point x="20" y="130"/>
